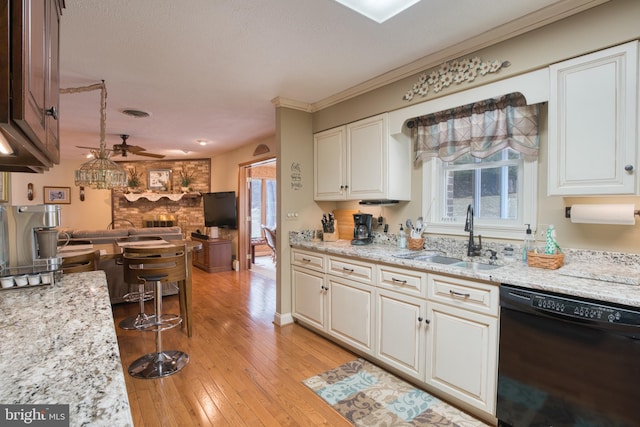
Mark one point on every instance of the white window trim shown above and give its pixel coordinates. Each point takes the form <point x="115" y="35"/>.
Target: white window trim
<point x="501" y="229"/>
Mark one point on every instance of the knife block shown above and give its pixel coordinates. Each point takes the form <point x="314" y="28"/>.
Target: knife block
<point x="331" y="237"/>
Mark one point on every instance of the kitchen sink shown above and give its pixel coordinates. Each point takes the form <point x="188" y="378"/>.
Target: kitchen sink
<point x="475" y="265"/>
<point x="438" y="259"/>
<point x="427" y="257"/>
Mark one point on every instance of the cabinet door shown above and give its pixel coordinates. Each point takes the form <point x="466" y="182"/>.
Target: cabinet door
<point x="592" y="119"/>
<point x="351" y="308"/>
<point x="462" y="355"/>
<point x="329" y="151"/>
<point x="52" y="89"/>
<point x="309" y="296"/>
<point x="367" y="158"/>
<point x="401" y="332"/>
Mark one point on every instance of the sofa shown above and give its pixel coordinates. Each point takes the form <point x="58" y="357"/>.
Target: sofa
<point x="113" y="267"/>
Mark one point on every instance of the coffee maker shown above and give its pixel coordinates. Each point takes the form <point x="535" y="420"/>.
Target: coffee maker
<point x="363" y="229"/>
<point x="32" y="234"/>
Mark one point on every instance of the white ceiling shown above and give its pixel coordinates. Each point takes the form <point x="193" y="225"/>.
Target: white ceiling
<point x="209" y="69"/>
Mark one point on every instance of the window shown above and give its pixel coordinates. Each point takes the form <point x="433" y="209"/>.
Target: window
<point x="501" y="188"/>
<point x="263" y="205"/>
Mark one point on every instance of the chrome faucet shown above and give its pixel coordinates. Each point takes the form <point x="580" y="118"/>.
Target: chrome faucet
<point x="472" y="249"/>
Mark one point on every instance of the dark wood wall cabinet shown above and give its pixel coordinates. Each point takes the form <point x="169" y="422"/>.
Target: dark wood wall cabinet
<point x="214" y="256"/>
<point x="29" y="83"/>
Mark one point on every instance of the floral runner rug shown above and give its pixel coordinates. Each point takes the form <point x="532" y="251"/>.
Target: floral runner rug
<point x="369" y="396"/>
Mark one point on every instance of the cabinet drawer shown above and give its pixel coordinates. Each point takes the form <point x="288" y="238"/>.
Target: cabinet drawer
<point x="355" y="270"/>
<point x="481" y="297"/>
<point x="307" y="259"/>
<point x="410" y="282"/>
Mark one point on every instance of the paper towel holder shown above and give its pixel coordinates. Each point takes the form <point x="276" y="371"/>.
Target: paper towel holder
<point x="567" y="212"/>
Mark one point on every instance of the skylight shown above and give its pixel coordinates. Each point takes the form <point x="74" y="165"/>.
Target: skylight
<point x="378" y="10"/>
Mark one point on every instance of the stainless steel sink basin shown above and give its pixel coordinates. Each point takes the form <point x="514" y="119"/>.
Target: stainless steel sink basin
<point x="427" y="257"/>
<point x="475" y="265"/>
<point x="438" y="259"/>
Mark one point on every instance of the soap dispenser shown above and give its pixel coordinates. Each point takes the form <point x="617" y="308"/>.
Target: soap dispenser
<point x="528" y="244"/>
<point x="402" y="238"/>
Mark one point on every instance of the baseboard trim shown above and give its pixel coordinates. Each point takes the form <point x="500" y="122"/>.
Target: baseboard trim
<point x="282" y="319"/>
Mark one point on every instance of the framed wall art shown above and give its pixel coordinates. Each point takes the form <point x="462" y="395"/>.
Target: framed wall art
<point x="159" y="179"/>
<point x="4" y="187"/>
<point x="57" y="195"/>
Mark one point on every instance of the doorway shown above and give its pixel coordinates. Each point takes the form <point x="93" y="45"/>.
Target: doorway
<point x="257" y="209"/>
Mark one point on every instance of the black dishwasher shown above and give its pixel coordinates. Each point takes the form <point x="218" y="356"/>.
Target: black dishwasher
<point x="567" y="361"/>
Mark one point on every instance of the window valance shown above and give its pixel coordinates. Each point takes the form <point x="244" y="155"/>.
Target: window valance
<point x="480" y="129"/>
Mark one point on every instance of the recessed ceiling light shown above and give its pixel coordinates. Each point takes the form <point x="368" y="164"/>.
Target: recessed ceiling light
<point x="378" y="10"/>
<point x="201" y="142"/>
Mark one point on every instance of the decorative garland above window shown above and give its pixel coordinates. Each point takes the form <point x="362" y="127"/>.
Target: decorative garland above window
<point x="456" y="71"/>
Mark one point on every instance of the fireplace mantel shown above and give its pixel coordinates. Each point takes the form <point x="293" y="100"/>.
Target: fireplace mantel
<point x="154" y="197"/>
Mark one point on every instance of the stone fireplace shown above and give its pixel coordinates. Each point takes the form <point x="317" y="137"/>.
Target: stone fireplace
<point x="157" y="202"/>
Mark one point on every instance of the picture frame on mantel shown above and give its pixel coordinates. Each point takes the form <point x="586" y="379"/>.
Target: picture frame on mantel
<point x="4" y="187"/>
<point x="57" y="195"/>
<point x="159" y="179"/>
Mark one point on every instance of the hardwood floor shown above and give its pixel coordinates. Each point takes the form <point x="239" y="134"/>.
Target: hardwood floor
<point x="243" y="369"/>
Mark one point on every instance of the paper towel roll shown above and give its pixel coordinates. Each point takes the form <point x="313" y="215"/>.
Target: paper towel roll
<point x="619" y="214"/>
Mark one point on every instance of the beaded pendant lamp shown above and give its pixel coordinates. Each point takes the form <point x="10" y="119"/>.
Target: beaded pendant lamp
<point x="100" y="172"/>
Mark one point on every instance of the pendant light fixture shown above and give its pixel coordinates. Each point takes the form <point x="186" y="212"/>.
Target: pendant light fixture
<point x="100" y="172"/>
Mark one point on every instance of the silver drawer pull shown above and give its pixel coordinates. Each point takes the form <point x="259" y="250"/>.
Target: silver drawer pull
<point x="394" y="280"/>
<point x="459" y="294"/>
<point x="348" y="270"/>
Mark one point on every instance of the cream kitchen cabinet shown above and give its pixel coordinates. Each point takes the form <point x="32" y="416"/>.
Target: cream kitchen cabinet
<point x="351" y="310"/>
<point x="462" y="341"/>
<point x="592" y="123"/>
<point x="401" y="329"/>
<point x="308" y="288"/>
<point x="359" y="161"/>
<point x="340" y="303"/>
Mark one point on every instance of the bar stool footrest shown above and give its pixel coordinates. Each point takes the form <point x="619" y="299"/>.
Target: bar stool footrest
<point x="161" y="323"/>
<point x="158" y="365"/>
<point x="133" y="323"/>
<point x="135" y="296"/>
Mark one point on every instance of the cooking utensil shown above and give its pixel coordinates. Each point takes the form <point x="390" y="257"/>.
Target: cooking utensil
<point x="409" y="224"/>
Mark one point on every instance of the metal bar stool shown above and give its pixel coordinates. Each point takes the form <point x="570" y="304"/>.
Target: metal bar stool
<point x="140" y="296"/>
<point x="157" y="265"/>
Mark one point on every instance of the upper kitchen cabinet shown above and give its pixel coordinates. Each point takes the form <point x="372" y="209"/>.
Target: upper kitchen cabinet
<point x="592" y="123"/>
<point x="29" y="83"/>
<point x="359" y="161"/>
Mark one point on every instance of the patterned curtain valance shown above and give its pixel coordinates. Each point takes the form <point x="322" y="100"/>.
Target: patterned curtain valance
<point x="481" y="129"/>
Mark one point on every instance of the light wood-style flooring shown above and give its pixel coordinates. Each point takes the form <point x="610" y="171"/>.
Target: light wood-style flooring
<point x="243" y="369"/>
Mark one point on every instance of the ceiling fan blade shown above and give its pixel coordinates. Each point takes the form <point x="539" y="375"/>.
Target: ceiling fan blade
<point x="144" y="153"/>
<point x="88" y="148"/>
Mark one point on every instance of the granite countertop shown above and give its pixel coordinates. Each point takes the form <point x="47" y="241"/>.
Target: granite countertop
<point x="604" y="283"/>
<point x="59" y="346"/>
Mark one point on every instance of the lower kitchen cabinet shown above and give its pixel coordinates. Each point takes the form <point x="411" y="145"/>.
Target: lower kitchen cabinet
<point x="351" y="309"/>
<point x="309" y="296"/>
<point x="401" y="331"/>
<point x="462" y="351"/>
<point x="436" y="329"/>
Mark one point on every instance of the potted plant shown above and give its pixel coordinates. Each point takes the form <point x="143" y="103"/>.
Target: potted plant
<point x="133" y="180"/>
<point x="186" y="179"/>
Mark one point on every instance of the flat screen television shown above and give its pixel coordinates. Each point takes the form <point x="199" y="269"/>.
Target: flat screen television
<point x="220" y="209"/>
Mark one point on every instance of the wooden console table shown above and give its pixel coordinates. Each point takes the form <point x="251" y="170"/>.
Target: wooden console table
<point x="215" y="255"/>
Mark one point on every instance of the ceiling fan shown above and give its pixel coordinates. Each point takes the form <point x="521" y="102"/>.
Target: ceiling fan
<point x="123" y="149"/>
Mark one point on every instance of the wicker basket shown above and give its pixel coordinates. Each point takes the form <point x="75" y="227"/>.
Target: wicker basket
<point x="551" y="262"/>
<point x="415" y="244"/>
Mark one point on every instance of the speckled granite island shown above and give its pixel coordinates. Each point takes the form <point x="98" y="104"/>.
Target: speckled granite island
<point x="59" y="346"/>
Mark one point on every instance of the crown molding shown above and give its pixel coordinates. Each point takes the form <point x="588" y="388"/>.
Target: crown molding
<point x="504" y="32"/>
<point x="293" y="104"/>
